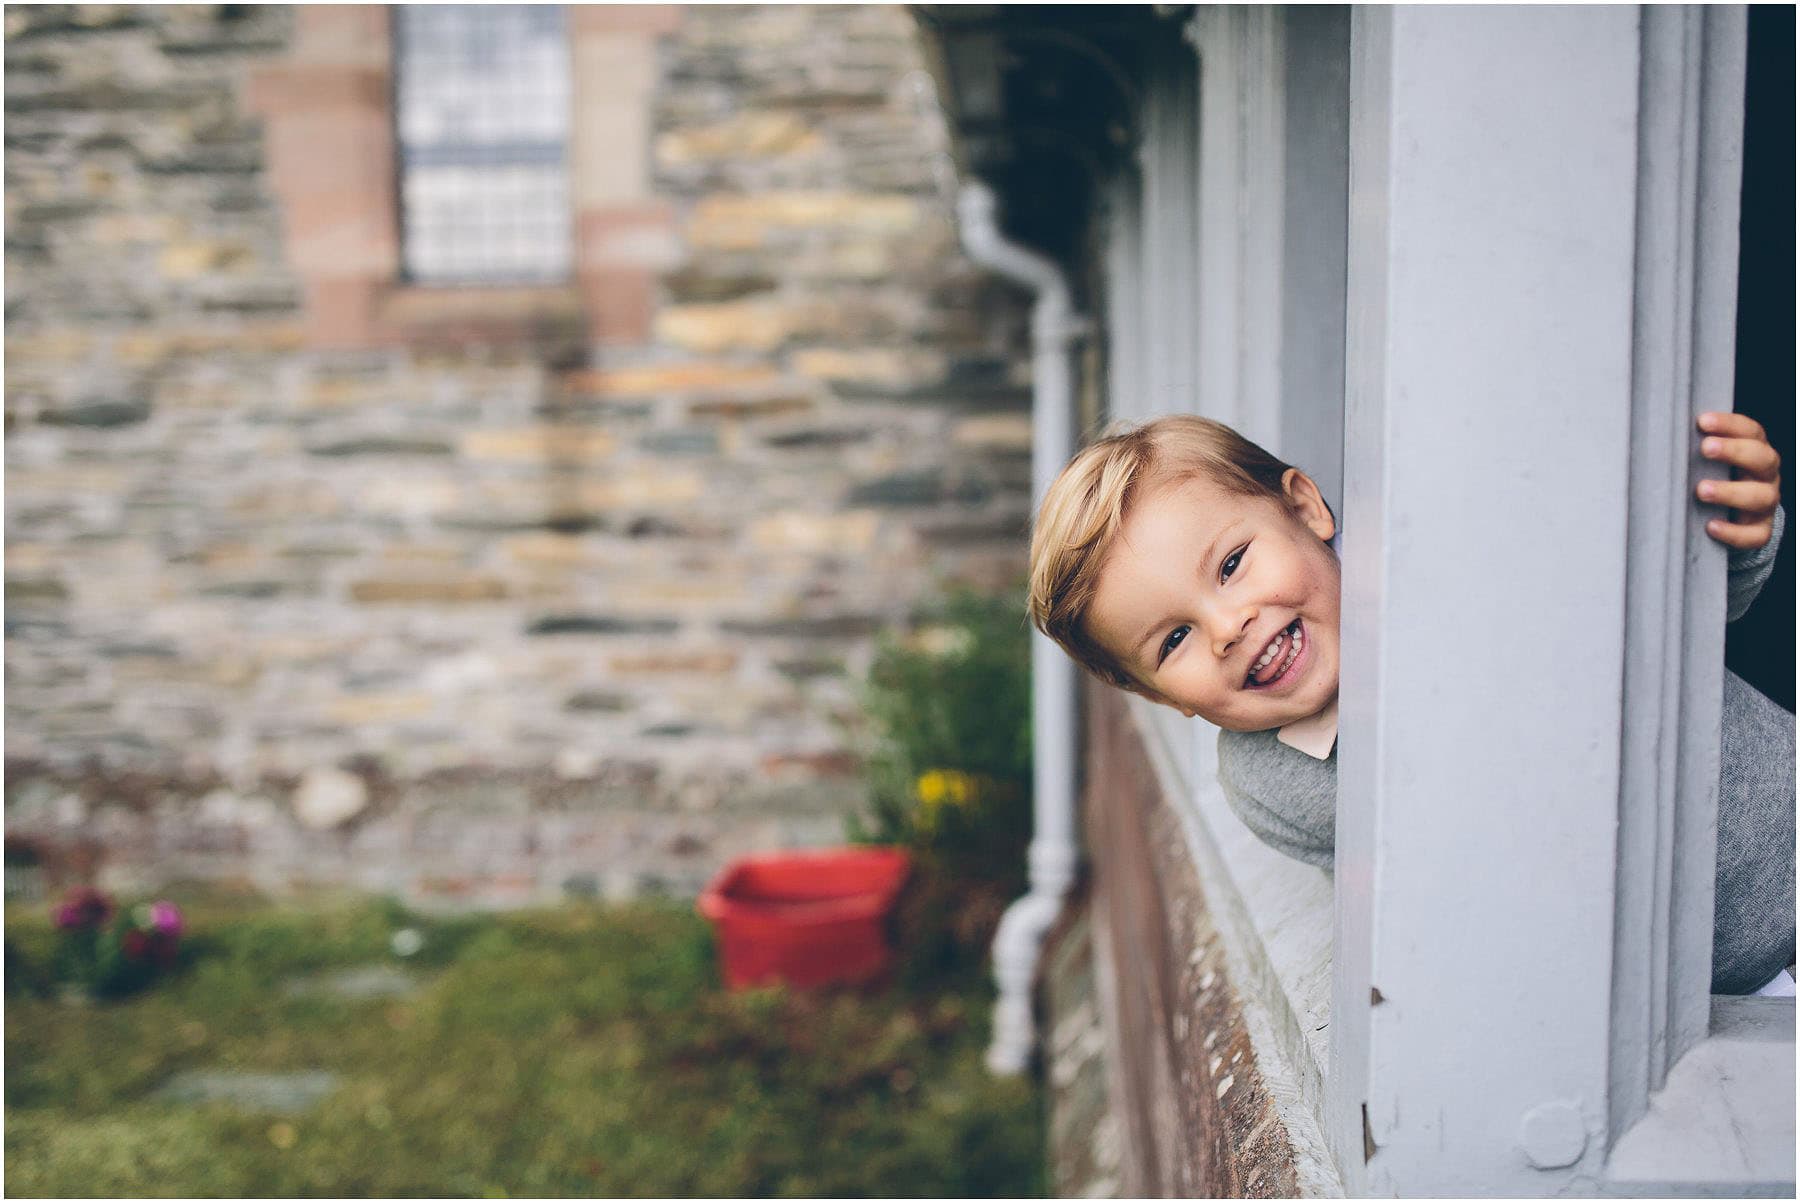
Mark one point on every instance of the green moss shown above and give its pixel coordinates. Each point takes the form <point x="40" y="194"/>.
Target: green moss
<point x="580" y="1051"/>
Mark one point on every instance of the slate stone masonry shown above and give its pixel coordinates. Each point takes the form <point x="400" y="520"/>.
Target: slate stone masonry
<point x="465" y="620"/>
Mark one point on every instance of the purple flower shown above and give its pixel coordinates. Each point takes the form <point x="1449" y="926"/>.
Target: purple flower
<point x="166" y="917"/>
<point x="84" y="907"/>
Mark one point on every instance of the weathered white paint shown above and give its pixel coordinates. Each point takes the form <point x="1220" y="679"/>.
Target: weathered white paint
<point x="1704" y="1132"/>
<point x="1055" y="740"/>
<point x="1271" y="185"/>
<point x="1215" y="33"/>
<point x="1690" y="150"/>
<point x="1227" y="271"/>
<point x="1125" y="333"/>
<point x="1542" y="235"/>
<point x="1315" y="140"/>
<point x="1166" y="357"/>
<point x="1492" y="196"/>
<point x="1542" y="258"/>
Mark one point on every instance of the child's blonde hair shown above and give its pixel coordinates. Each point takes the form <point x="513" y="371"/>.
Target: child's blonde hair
<point x="1088" y="502"/>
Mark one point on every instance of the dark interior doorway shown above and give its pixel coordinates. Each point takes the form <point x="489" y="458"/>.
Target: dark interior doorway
<point x="1760" y="646"/>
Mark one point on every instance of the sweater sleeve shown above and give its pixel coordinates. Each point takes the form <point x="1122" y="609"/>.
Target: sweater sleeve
<point x="1286" y="798"/>
<point x="1747" y="570"/>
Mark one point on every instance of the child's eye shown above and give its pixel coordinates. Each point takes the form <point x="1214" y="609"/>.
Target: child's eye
<point x="1171" y="643"/>
<point x="1231" y="562"/>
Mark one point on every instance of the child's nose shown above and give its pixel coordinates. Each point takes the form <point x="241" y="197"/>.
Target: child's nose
<point x="1226" y="625"/>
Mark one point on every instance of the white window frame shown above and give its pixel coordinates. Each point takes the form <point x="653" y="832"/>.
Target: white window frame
<point x="1542" y="297"/>
<point x="1263" y="238"/>
<point x="1542" y="239"/>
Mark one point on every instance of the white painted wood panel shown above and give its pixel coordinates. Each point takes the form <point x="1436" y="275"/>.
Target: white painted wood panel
<point x="1487" y="421"/>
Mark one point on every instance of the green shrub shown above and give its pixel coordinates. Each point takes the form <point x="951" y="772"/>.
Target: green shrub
<point x="949" y="771"/>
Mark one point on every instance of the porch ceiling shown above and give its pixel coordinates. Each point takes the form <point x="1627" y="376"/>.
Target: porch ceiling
<point x="1042" y="102"/>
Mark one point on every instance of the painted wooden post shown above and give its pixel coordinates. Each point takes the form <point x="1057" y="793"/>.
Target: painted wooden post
<point x="1492" y="203"/>
<point x="1541" y="299"/>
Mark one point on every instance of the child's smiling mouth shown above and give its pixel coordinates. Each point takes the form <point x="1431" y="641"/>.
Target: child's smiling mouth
<point x="1278" y="659"/>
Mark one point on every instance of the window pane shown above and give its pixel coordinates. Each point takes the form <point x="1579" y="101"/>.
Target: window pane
<point x="482" y="116"/>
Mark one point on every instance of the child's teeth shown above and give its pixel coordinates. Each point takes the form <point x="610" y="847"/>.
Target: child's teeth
<point x="1273" y="650"/>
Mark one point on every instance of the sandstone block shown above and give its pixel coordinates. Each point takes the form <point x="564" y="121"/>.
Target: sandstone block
<point x="758" y="324"/>
<point x="747" y="221"/>
<point x="286" y="499"/>
<point x="885" y="367"/>
<point x="32" y="558"/>
<point x="641" y="487"/>
<point x="773" y="135"/>
<point x="345" y="393"/>
<point x="550" y="444"/>
<point x="47" y="346"/>
<point x="713" y="591"/>
<point x="298" y="649"/>
<point x="422" y="553"/>
<point x="191" y="260"/>
<point x="408" y="496"/>
<point x="357" y="709"/>
<point x="150" y="346"/>
<point x="1008" y="432"/>
<point x="445" y="591"/>
<point x="707" y="663"/>
<point x="215" y="396"/>
<point x="91" y="479"/>
<point x="861" y="259"/>
<point x="853" y="531"/>
<point x="548" y="549"/>
<point x="700" y="376"/>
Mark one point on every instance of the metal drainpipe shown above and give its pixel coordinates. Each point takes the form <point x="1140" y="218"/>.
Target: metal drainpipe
<point x="1052" y="856"/>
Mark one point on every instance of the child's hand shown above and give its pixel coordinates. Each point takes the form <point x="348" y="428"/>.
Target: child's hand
<point x="1755" y="484"/>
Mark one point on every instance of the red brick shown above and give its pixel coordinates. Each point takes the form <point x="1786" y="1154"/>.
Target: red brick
<point x="623" y="18"/>
<point x="281" y="88"/>
<point x="621" y="303"/>
<point x="344" y="313"/>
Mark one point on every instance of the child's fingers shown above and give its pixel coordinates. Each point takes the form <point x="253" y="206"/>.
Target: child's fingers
<point x="1751" y="498"/>
<point x="1743" y="536"/>
<point x="1753" y="456"/>
<point x="1732" y="426"/>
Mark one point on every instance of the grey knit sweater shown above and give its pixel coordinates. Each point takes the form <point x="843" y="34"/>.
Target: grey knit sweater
<point x="1289" y="799"/>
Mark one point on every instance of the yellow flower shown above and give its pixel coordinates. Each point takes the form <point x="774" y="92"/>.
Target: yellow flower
<point x="945" y="785"/>
<point x="940" y="788"/>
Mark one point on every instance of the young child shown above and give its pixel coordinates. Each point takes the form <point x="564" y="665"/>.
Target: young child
<point x="1252" y="646"/>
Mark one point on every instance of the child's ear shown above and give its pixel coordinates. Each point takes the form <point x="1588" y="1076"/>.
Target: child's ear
<point x="1308" y="504"/>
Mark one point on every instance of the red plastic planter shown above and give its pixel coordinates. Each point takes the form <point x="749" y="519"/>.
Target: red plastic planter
<point x="805" y="918"/>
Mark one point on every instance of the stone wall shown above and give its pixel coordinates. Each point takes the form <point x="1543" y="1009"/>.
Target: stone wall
<point x="471" y="617"/>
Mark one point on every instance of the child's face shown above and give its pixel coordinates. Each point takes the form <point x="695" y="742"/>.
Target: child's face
<point x="1200" y="594"/>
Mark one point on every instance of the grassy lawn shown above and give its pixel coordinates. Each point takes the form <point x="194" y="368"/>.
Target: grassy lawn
<point x="577" y="1051"/>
